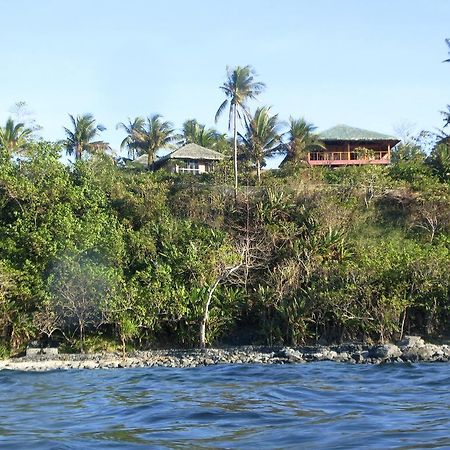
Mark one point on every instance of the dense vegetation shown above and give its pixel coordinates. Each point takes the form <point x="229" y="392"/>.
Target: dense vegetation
<point x="318" y="254"/>
<point x="96" y="255"/>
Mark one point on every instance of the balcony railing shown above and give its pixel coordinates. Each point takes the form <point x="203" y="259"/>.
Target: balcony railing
<point x="347" y="158"/>
<point x="188" y="169"/>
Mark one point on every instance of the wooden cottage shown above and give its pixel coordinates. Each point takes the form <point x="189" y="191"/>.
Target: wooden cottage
<point x="191" y="158"/>
<point x="346" y="145"/>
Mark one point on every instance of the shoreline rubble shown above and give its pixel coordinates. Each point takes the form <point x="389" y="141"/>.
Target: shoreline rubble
<point x="410" y="349"/>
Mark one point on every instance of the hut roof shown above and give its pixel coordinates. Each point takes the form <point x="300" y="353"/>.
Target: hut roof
<point x="346" y="133"/>
<point x="194" y="151"/>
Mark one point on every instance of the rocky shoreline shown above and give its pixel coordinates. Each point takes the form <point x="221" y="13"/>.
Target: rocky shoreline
<point x="410" y="349"/>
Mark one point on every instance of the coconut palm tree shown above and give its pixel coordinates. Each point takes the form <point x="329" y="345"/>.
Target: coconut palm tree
<point x="262" y="137"/>
<point x="130" y="141"/>
<point x="81" y="138"/>
<point x="301" y="139"/>
<point x="14" y="136"/>
<point x="196" y="133"/>
<point x="239" y="87"/>
<point x="447" y="41"/>
<point x="153" y="135"/>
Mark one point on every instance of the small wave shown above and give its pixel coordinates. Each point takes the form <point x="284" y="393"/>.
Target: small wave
<point x="320" y="405"/>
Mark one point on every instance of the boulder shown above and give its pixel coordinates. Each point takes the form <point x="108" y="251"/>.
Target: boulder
<point x="385" y="351"/>
<point x="427" y="352"/>
<point x="411" y="341"/>
<point x="290" y="354"/>
<point x="446" y="350"/>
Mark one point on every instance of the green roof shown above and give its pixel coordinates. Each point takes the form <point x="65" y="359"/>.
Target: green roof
<point x="194" y="151"/>
<point x="346" y="133"/>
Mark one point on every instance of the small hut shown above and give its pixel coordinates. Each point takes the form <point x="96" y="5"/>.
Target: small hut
<point x="191" y="158"/>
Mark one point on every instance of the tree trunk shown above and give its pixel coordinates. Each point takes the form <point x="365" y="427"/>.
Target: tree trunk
<point x="81" y="336"/>
<point x="124" y="348"/>
<point x="78" y="152"/>
<point x="204" y="321"/>
<point x="258" y="171"/>
<point x="235" y="152"/>
<point x="402" y="328"/>
<point x="206" y="313"/>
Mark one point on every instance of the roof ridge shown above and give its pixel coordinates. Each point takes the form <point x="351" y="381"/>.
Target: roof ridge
<point x="342" y="132"/>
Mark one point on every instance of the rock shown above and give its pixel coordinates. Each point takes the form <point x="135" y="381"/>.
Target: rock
<point x="411" y="341"/>
<point x="426" y="352"/>
<point x="343" y="357"/>
<point x="33" y="351"/>
<point x="385" y="351"/>
<point x="290" y="355"/>
<point x="331" y="355"/>
<point x="50" y="351"/>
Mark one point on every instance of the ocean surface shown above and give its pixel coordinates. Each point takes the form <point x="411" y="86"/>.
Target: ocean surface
<point x="317" y="405"/>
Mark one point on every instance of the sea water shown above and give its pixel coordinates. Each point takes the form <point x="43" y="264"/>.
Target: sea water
<point x="317" y="405"/>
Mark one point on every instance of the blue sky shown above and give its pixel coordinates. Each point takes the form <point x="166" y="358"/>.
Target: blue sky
<point x="370" y="64"/>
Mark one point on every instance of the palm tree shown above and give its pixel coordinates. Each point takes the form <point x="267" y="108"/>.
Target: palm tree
<point x="238" y="88"/>
<point x="130" y="141"/>
<point x="153" y="135"/>
<point x="447" y="41"/>
<point x="262" y="136"/>
<point x="14" y="136"/>
<point x="195" y="133"/>
<point x="446" y="118"/>
<point x="301" y="139"/>
<point x="81" y="138"/>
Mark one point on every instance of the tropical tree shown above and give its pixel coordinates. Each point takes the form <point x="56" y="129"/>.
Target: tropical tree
<point x="153" y="135"/>
<point x="81" y="138"/>
<point x="132" y="129"/>
<point x="14" y="136"/>
<point x="447" y="41"/>
<point x="239" y="87"/>
<point x="446" y="119"/>
<point x="301" y="139"/>
<point x="262" y="137"/>
<point x="196" y="133"/>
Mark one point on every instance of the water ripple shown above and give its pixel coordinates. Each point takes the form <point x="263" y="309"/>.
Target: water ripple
<point x="321" y="405"/>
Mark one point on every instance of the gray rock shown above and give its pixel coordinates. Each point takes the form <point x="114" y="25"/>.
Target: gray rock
<point x="446" y="350"/>
<point x="385" y="351"/>
<point x="290" y="355"/>
<point x="411" y="341"/>
<point x="331" y="355"/>
<point x="427" y="352"/>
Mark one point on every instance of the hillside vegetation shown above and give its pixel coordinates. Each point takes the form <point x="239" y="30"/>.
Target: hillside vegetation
<point x="95" y="255"/>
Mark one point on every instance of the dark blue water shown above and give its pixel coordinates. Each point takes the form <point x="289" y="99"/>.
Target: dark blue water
<point x="318" y="405"/>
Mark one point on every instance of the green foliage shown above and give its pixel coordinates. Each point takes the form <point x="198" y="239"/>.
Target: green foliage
<point x="195" y="133"/>
<point x="301" y="140"/>
<point x="261" y="137"/>
<point x="106" y="258"/>
<point x="146" y="136"/>
<point x="80" y="139"/>
<point x="14" y="137"/>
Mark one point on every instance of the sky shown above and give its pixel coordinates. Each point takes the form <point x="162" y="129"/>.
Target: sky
<point x="370" y="64"/>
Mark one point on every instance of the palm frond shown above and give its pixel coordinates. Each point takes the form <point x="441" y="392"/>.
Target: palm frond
<point x="221" y="109"/>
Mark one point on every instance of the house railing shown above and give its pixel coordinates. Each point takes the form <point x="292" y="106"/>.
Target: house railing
<point x="347" y="156"/>
<point x="187" y="169"/>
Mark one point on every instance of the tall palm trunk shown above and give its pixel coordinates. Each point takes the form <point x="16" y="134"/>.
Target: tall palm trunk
<point x="150" y="158"/>
<point x="258" y="171"/>
<point x="78" y="152"/>
<point x="235" y="152"/>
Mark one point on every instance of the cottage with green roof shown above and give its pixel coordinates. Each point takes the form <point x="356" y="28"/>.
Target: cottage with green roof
<point x="191" y="158"/>
<point x="344" y="145"/>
